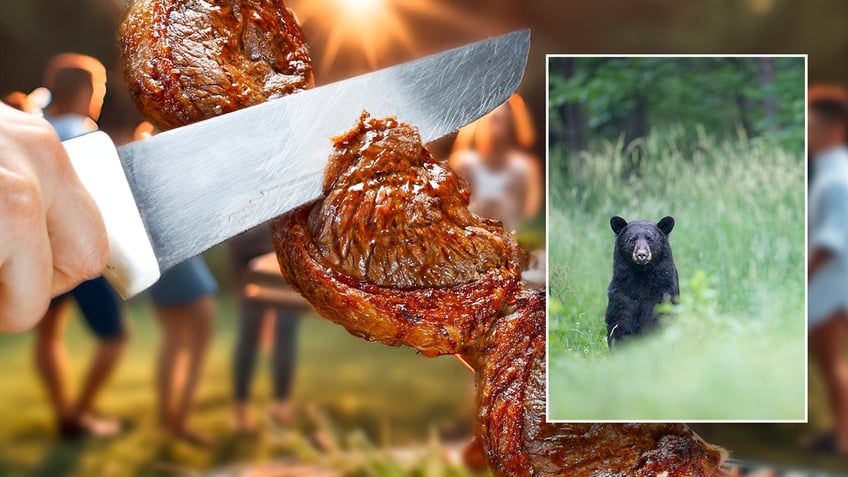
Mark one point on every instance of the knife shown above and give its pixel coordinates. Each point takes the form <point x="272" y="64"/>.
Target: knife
<point x="175" y="195"/>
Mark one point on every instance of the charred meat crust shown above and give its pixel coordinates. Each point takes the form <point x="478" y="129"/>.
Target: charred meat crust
<point x="503" y="360"/>
<point x="391" y="252"/>
<point x="517" y="441"/>
<point x="395" y="216"/>
<point x="189" y="60"/>
<point x="434" y="321"/>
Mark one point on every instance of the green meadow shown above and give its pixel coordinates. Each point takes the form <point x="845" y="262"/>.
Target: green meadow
<point x="735" y="346"/>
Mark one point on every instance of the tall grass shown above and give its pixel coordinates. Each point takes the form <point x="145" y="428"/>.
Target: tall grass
<point x="737" y="348"/>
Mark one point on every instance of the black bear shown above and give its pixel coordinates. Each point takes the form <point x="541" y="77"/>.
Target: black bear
<point x="643" y="276"/>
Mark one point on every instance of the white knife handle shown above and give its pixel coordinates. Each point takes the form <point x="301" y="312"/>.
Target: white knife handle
<point x="132" y="265"/>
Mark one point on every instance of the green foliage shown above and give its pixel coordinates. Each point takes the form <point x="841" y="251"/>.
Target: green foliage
<point x="736" y="349"/>
<point x="718" y="93"/>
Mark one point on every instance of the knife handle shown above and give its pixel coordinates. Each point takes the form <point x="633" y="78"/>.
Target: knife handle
<point x="132" y="266"/>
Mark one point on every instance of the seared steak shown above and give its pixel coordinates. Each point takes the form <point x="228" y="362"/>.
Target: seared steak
<point x="391" y="251"/>
<point x="189" y="60"/>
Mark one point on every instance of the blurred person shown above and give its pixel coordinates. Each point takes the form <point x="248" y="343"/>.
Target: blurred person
<point x="54" y="236"/>
<point x="185" y="309"/>
<point x="33" y="103"/>
<point x="54" y="233"/>
<point x="492" y="154"/>
<point x="78" y="85"/>
<point x="267" y="308"/>
<point x="18" y="100"/>
<point x="827" y="268"/>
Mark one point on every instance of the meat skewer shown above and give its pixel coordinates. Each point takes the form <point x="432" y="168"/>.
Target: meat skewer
<point x="328" y="251"/>
<point x="391" y="251"/>
<point x="511" y="427"/>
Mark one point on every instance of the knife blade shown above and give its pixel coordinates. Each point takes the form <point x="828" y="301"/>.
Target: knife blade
<point x="193" y="187"/>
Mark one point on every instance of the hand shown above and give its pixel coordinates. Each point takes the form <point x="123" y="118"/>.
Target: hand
<point x="51" y="233"/>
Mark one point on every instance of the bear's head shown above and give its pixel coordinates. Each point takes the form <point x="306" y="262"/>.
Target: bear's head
<point x="641" y="241"/>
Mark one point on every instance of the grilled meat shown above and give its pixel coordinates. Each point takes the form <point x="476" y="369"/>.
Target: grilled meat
<point x="517" y="442"/>
<point x="391" y="251"/>
<point x="189" y="60"/>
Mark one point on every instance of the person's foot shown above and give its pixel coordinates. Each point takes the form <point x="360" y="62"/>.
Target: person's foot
<point x="242" y="424"/>
<point x="90" y="425"/>
<point x="243" y="427"/>
<point x="281" y="413"/>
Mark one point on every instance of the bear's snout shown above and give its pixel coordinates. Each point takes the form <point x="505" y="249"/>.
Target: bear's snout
<point x="642" y="253"/>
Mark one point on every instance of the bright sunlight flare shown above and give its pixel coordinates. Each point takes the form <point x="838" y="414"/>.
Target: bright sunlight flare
<point x="372" y="25"/>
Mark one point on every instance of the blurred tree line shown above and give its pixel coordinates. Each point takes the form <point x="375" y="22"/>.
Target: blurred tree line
<point x="618" y="98"/>
<point x="33" y="30"/>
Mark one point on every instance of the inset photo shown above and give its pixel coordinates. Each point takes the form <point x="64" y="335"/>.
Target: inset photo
<point x="676" y="238"/>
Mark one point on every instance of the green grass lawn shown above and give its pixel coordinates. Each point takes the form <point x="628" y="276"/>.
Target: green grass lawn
<point x="392" y="395"/>
<point x="779" y="443"/>
<point x="736" y="350"/>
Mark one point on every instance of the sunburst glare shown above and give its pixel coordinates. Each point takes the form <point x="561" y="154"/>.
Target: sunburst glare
<point x="372" y="25"/>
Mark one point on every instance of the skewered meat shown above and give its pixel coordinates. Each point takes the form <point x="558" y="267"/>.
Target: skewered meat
<point x="385" y="242"/>
<point x="189" y="60"/>
<point x="511" y="427"/>
<point x="391" y="252"/>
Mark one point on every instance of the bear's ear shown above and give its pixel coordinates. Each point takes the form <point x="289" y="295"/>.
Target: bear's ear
<point x="617" y="224"/>
<point x="666" y="224"/>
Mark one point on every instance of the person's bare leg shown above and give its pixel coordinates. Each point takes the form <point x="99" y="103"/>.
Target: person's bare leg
<point x="827" y="345"/>
<point x="187" y="330"/>
<point x="51" y="361"/>
<point x="200" y="317"/>
<point x="103" y="363"/>
<point x="168" y="371"/>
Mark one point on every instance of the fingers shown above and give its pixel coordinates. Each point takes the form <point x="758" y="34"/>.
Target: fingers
<point x="53" y="236"/>
<point x="77" y="235"/>
<point x="25" y="256"/>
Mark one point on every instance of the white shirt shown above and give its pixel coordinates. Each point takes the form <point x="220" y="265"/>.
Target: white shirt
<point x="496" y="194"/>
<point x="828" y="216"/>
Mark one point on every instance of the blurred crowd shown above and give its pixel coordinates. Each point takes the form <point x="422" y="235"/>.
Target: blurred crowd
<point x="491" y="154"/>
<point x="71" y="100"/>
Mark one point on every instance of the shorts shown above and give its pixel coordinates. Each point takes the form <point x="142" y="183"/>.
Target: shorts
<point x="100" y="307"/>
<point x="184" y="283"/>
